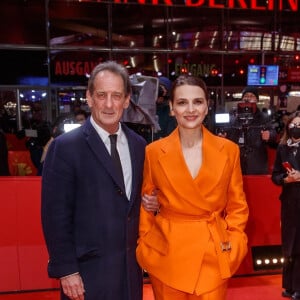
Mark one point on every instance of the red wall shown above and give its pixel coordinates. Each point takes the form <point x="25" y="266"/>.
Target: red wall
<point x="263" y="226"/>
<point x="23" y="256"/>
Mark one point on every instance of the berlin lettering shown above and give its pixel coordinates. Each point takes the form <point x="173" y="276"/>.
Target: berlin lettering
<point x="231" y="4"/>
<point x="78" y="68"/>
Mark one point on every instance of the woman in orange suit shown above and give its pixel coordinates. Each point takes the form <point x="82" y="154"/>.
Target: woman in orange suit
<point x="196" y="241"/>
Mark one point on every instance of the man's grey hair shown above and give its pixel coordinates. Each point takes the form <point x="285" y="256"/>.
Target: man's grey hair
<point x="113" y="67"/>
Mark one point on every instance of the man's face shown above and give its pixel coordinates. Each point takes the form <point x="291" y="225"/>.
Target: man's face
<point x="249" y="97"/>
<point x="108" y="100"/>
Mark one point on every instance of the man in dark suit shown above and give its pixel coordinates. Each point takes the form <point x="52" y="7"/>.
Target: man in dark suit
<point x="90" y="214"/>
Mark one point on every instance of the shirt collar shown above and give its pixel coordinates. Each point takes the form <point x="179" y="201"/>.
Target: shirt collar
<point x="105" y="135"/>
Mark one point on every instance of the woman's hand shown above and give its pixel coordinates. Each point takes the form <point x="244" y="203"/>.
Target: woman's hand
<point x="293" y="176"/>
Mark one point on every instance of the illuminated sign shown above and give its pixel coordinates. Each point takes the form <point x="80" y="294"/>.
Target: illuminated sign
<point x="79" y="68"/>
<point x="198" y="70"/>
<point x="263" y="75"/>
<point x="237" y="4"/>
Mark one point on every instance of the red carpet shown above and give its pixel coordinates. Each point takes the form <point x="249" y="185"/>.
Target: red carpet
<point x="240" y="288"/>
<point x="255" y="288"/>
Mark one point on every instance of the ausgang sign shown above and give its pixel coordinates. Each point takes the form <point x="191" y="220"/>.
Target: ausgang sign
<point x="71" y="68"/>
<point x="290" y="5"/>
<point x="194" y="69"/>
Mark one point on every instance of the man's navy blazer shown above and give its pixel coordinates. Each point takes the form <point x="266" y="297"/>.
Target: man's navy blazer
<point x="87" y="219"/>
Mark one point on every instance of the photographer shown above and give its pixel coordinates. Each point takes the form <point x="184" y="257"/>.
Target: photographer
<point x="166" y="122"/>
<point x="252" y="131"/>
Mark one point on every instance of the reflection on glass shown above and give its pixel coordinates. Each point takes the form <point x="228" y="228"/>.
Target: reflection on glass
<point x="22" y="22"/>
<point x="146" y="27"/>
<point x="78" y="24"/>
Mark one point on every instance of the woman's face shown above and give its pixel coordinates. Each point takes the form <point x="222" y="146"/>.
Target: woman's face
<point x="189" y="106"/>
<point x="294" y="129"/>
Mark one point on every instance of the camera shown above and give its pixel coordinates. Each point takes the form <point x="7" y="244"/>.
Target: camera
<point x="246" y="110"/>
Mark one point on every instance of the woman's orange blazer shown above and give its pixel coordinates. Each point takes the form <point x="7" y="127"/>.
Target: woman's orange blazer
<point x="197" y="240"/>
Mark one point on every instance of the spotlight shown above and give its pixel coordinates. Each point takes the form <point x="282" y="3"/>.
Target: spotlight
<point x="267" y="257"/>
<point x="267" y="261"/>
<point x="274" y="260"/>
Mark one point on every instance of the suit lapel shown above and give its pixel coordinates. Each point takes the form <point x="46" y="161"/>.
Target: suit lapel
<point x="134" y="166"/>
<point x="294" y="158"/>
<point x="214" y="159"/>
<point x="181" y="180"/>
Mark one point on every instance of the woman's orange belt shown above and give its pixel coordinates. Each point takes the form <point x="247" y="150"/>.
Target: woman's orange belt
<point x="218" y="234"/>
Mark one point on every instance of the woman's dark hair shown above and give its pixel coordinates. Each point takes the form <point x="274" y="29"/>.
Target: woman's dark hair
<point x="189" y="80"/>
<point x="286" y="134"/>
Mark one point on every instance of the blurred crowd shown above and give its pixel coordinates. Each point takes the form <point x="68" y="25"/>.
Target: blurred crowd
<point x="254" y="130"/>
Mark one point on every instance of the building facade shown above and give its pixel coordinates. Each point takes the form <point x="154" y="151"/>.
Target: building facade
<point x="48" y="48"/>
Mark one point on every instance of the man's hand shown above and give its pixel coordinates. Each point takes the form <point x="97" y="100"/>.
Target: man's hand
<point x="72" y="286"/>
<point x="150" y="202"/>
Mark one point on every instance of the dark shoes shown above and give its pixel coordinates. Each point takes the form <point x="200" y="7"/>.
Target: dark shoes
<point x="287" y="293"/>
<point x="296" y="296"/>
<point x="291" y="294"/>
